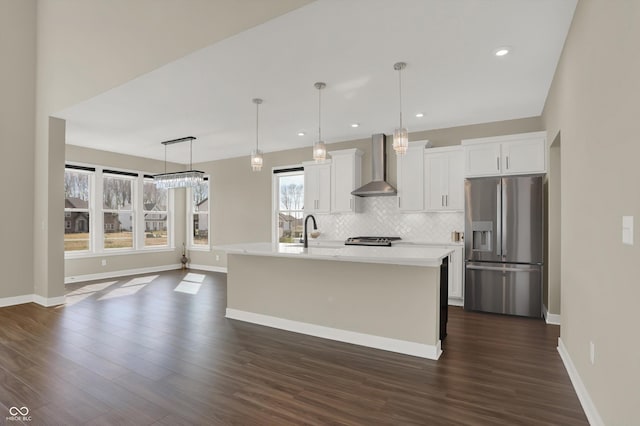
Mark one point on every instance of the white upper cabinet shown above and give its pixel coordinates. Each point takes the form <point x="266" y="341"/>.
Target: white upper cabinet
<point x="444" y="179"/>
<point x="411" y="178"/>
<point x="317" y="187"/>
<point x="523" y="153"/>
<point x="346" y="175"/>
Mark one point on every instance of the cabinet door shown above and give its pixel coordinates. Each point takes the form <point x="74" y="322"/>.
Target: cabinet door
<point x="323" y="204"/>
<point x="482" y="159"/>
<point x="455" y="181"/>
<point x="345" y="177"/>
<point x="456" y="273"/>
<point x="436" y="168"/>
<point x="524" y="156"/>
<point x="411" y="180"/>
<point x="317" y="188"/>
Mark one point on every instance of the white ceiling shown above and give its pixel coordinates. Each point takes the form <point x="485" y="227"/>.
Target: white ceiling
<point x="452" y="77"/>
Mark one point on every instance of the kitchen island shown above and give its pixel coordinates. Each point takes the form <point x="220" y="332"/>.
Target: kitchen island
<point x="383" y="297"/>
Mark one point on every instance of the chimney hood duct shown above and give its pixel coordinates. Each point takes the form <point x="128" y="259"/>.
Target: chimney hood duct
<point x="378" y="186"/>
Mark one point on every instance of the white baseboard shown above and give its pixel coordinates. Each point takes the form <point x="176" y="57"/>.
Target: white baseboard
<point x="16" y="300"/>
<point x="393" y="345"/>
<point x="209" y="268"/>
<point x="28" y="298"/>
<point x="456" y="302"/>
<point x="587" y="404"/>
<point x="121" y="273"/>
<point x="550" y="318"/>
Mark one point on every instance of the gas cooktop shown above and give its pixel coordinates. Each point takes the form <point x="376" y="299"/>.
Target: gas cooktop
<point x="371" y="241"/>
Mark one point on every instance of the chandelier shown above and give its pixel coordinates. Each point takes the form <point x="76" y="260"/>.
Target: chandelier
<point x="188" y="178"/>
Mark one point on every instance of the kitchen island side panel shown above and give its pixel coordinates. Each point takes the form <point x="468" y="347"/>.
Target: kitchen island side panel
<point x="392" y="301"/>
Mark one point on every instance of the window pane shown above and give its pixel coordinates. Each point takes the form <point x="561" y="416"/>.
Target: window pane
<point x="154" y="198"/>
<point x="118" y="230"/>
<point x="117" y="193"/>
<point x="76" y="231"/>
<point x="155" y="229"/>
<point x="291" y="193"/>
<point x="200" y="197"/>
<point x="200" y="229"/>
<point x="76" y="190"/>
<point x="290" y="227"/>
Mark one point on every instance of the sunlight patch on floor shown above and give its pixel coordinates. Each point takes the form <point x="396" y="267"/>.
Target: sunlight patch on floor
<point x="188" y="287"/>
<point x="123" y="291"/>
<point x="194" y="278"/>
<point x="140" y="280"/>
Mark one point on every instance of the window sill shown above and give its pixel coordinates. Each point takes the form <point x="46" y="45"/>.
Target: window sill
<point x="196" y="248"/>
<point x="71" y="256"/>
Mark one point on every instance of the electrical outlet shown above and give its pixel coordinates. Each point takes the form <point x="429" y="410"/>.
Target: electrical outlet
<point x="592" y="352"/>
<point x="104" y="262"/>
<point x="217" y="257"/>
<point x="627" y="230"/>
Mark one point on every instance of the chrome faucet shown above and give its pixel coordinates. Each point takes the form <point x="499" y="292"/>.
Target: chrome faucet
<point x="306" y="236"/>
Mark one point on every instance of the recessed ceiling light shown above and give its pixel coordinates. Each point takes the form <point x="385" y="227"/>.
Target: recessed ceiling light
<point x="355" y="125"/>
<point x="419" y="115"/>
<point x="301" y="133"/>
<point x="502" y="51"/>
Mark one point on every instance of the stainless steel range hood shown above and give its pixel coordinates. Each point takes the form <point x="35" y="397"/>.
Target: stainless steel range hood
<point x="378" y="185"/>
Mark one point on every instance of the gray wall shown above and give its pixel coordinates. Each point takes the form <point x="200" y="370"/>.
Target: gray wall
<point x="17" y="135"/>
<point x="594" y="103"/>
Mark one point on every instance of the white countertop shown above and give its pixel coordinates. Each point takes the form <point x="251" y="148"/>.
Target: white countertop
<point x="398" y="255"/>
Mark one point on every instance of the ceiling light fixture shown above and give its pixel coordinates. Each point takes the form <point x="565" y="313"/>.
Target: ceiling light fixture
<point x="419" y="115"/>
<point x="502" y="51"/>
<point x="301" y="133"/>
<point x="400" y="134"/>
<point x="256" y="154"/>
<point x="354" y="125"/>
<point x="184" y="179"/>
<point x="319" y="147"/>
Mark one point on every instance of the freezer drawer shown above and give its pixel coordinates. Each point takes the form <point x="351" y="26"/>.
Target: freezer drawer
<point x="503" y="288"/>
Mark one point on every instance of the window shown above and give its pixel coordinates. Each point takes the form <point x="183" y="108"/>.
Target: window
<point x="117" y="209"/>
<point x="77" y="202"/>
<point x="155" y="209"/>
<point x="289" y="200"/>
<point x="199" y="215"/>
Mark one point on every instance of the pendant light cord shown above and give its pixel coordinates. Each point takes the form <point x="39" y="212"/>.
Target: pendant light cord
<point x="257" y="121"/>
<point x="319" y="114"/>
<point x="400" y="89"/>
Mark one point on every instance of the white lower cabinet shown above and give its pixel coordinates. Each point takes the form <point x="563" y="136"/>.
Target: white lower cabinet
<point x="456" y="274"/>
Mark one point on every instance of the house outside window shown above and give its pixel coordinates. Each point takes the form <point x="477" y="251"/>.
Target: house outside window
<point x="156" y="213"/>
<point x="199" y="215"/>
<point x="77" y="212"/>
<point x="118" y="212"/>
<point x="288" y="194"/>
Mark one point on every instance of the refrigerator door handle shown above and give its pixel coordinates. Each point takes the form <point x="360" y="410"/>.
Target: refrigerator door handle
<point x="501" y="269"/>
<point x="503" y="231"/>
<point x="498" y="231"/>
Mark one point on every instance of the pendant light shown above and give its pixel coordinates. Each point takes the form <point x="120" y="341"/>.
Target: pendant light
<point x="400" y="134"/>
<point x="256" y="154"/>
<point x="319" y="147"/>
<point x="184" y="179"/>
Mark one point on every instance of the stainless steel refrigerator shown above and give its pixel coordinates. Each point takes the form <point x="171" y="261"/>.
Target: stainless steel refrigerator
<point x="504" y="245"/>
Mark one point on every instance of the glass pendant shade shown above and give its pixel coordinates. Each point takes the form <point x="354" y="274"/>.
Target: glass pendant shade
<point x="319" y="151"/>
<point x="256" y="160"/>
<point x="400" y="140"/>
<point x="186" y="179"/>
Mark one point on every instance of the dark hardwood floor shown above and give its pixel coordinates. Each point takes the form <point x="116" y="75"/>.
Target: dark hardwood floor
<point x="134" y="351"/>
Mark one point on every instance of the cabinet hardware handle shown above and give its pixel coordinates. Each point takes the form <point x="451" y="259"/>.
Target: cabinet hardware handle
<point x="398" y="201"/>
<point x="442" y="200"/>
<point x="498" y="163"/>
<point x="446" y="200"/>
<point x="507" y="162"/>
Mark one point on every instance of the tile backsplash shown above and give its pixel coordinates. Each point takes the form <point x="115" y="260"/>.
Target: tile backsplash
<point x="380" y="217"/>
